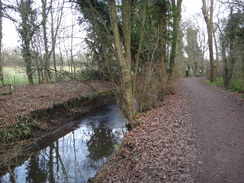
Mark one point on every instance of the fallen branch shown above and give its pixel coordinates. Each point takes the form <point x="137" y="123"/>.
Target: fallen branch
<point x="8" y="92"/>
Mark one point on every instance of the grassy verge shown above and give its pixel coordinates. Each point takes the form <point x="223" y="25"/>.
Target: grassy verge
<point x="236" y="85"/>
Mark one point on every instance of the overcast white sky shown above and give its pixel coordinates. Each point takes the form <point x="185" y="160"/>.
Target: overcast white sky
<point x="191" y="7"/>
<point x="10" y="36"/>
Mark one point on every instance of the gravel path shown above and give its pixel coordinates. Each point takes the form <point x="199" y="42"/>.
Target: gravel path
<point x="220" y="132"/>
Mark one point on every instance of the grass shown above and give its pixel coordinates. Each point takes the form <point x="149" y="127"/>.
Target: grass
<point x="236" y="85"/>
<point x="17" y="75"/>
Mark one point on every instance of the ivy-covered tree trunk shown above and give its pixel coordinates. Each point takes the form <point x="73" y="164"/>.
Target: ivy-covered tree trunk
<point x="232" y="43"/>
<point x="47" y="55"/>
<point x="224" y="59"/>
<point x="176" y="22"/>
<point x="1" y="36"/>
<point x="27" y="58"/>
<point x="27" y="29"/>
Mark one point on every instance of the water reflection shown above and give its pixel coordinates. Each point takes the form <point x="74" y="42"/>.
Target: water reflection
<point x="78" y="155"/>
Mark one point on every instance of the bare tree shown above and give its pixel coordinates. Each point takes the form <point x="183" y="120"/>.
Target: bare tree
<point x="216" y="52"/>
<point x="193" y="50"/>
<point x="236" y="3"/>
<point x="203" y="43"/>
<point x="55" y="27"/>
<point x="208" y="17"/>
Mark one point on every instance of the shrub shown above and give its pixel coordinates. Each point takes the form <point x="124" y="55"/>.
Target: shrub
<point x="237" y="85"/>
<point x="90" y="74"/>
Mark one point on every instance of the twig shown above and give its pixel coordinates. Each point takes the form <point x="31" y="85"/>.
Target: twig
<point x="68" y="74"/>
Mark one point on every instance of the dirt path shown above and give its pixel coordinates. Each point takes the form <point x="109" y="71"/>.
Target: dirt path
<point x="220" y="129"/>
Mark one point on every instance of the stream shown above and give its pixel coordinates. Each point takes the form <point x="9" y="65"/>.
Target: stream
<point x="76" y="156"/>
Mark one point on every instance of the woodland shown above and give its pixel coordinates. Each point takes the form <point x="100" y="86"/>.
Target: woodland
<point x="137" y="49"/>
<point x="128" y="43"/>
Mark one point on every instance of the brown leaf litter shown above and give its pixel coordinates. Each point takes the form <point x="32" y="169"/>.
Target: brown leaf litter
<point x="161" y="149"/>
<point x="26" y="99"/>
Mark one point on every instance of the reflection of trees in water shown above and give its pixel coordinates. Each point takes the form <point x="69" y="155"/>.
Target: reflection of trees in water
<point x="74" y="157"/>
<point x="46" y="166"/>
<point x="36" y="173"/>
<point x="101" y="143"/>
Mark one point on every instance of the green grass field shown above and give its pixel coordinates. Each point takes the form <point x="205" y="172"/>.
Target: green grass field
<point x="14" y="75"/>
<point x="17" y="75"/>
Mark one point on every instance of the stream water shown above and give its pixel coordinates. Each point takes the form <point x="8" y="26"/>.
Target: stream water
<point x="77" y="155"/>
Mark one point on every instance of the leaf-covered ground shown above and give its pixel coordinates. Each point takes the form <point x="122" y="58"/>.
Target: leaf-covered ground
<point x="26" y="99"/>
<point x="29" y="113"/>
<point x="161" y="149"/>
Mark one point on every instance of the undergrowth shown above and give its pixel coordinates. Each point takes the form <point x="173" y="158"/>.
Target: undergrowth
<point x="91" y="96"/>
<point x="236" y="85"/>
<point x="21" y="130"/>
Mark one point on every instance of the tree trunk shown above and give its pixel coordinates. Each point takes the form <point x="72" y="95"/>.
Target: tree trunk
<point x="209" y="22"/>
<point x="124" y="61"/>
<point x="38" y="70"/>
<point x="140" y="46"/>
<point x="53" y="45"/>
<point x="176" y="22"/>
<point x="27" y="29"/>
<point x="1" y="36"/>
<point x="47" y="54"/>
<point x="54" y="33"/>
<point x="29" y="72"/>
<point x="71" y="51"/>
<point x="225" y="73"/>
<point x="162" y="43"/>
<point x="27" y="59"/>
<point x="217" y="54"/>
